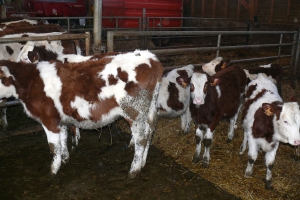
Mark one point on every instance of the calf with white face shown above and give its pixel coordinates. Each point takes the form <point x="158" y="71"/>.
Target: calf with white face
<point x="215" y="65"/>
<point x="267" y="120"/>
<point x="215" y="98"/>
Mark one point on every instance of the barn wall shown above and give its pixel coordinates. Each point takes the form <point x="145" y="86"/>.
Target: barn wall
<point x="267" y="11"/>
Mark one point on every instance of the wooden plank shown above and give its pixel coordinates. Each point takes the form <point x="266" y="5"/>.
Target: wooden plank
<point x="272" y="11"/>
<point x="288" y="11"/>
<point x="214" y="8"/>
<point x="203" y="8"/>
<point x="226" y="8"/>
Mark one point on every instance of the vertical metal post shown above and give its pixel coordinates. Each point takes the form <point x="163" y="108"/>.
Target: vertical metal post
<point x="295" y="70"/>
<point x="219" y="43"/>
<point x="110" y="41"/>
<point x="144" y="28"/>
<point x="97" y="26"/>
<point x="3" y="11"/>
<point x="87" y="43"/>
<point x="279" y="48"/>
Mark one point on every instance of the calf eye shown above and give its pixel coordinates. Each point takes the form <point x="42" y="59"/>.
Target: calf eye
<point x="192" y="88"/>
<point x="285" y="122"/>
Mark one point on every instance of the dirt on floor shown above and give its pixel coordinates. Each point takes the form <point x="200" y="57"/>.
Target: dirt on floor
<point x="97" y="170"/>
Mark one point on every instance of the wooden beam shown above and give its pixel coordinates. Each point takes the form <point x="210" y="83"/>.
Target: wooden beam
<point x="288" y="11"/>
<point x="226" y="8"/>
<point x="214" y="8"/>
<point x="203" y="8"/>
<point x="192" y="8"/>
<point x="272" y="11"/>
<point x="239" y="10"/>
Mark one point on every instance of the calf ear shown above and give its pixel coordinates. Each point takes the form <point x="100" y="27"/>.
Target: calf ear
<point x="216" y="81"/>
<point x="268" y="109"/>
<point x="181" y="82"/>
<point x="225" y="64"/>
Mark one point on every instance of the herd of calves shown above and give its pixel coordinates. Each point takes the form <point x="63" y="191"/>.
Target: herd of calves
<point x="91" y="92"/>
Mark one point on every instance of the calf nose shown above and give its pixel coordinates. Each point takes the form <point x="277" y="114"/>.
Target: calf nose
<point x="198" y="101"/>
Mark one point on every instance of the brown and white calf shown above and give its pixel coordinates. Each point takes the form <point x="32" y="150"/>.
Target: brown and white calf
<point x="174" y="96"/>
<point x="215" y="65"/>
<point x="267" y="120"/>
<point x="89" y="95"/>
<point x="215" y="98"/>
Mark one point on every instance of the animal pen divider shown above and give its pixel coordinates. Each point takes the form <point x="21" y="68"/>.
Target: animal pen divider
<point x="4" y="104"/>
<point x="294" y="44"/>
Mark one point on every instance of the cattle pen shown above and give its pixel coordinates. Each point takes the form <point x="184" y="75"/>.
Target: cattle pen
<point x="227" y="167"/>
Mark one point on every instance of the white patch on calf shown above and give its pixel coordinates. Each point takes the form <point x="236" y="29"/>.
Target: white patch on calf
<point x="73" y="58"/>
<point x="218" y="91"/>
<point x="23" y="56"/>
<point x="32" y="22"/>
<point x="52" y="82"/>
<point x="82" y="106"/>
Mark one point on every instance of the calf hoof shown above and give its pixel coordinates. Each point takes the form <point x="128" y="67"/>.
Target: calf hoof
<point x="228" y="140"/>
<point x="205" y="164"/>
<point x="133" y="174"/>
<point x="268" y="185"/>
<point x="196" y="159"/>
<point x="248" y="175"/>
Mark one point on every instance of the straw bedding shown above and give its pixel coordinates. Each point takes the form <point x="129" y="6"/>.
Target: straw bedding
<point x="227" y="167"/>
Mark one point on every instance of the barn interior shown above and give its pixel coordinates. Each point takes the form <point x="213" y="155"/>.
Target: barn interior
<point x="180" y="32"/>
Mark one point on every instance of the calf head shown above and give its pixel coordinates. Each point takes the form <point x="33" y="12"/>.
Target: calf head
<point x="286" y="121"/>
<point x="215" y="65"/>
<point x="184" y="78"/>
<point x="198" y="87"/>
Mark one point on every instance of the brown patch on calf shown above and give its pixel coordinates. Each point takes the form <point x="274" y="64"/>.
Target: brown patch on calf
<point x="263" y="124"/>
<point x="123" y="75"/>
<point x="173" y="100"/>
<point x="103" y="107"/>
<point x="112" y="80"/>
<point x="85" y="73"/>
<point x="9" y="50"/>
<point x="30" y="88"/>
<point x="148" y="76"/>
<point x="249" y="102"/>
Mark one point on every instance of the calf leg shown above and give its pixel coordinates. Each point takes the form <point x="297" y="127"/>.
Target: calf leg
<point x="55" y="149"/>
<point x="186" y="121"/>
<point x="233" y="125"/>
<point x="140" y="142"/>
<point x="270" y="158"/>
<point x="198" y="138"/>
<point x="244" y="144"/>
<point x="75" y="136"/>
<point x="63" y="143"/>
<point x="252" y="156"/>
<point x="3" y="119"/>
<point x="207" y="144"/>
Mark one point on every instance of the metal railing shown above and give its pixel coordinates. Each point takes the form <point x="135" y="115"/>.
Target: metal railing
<point x="111" y="35"/>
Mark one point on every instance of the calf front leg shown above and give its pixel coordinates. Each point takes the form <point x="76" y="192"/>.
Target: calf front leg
<point x="207" y="144"/>
<point x="270" y="159"/>
<point x="55" y="149"/>
<point x="186" y="121"/>
<point x="198" y="139"/>
<point x="63" y="144"/>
